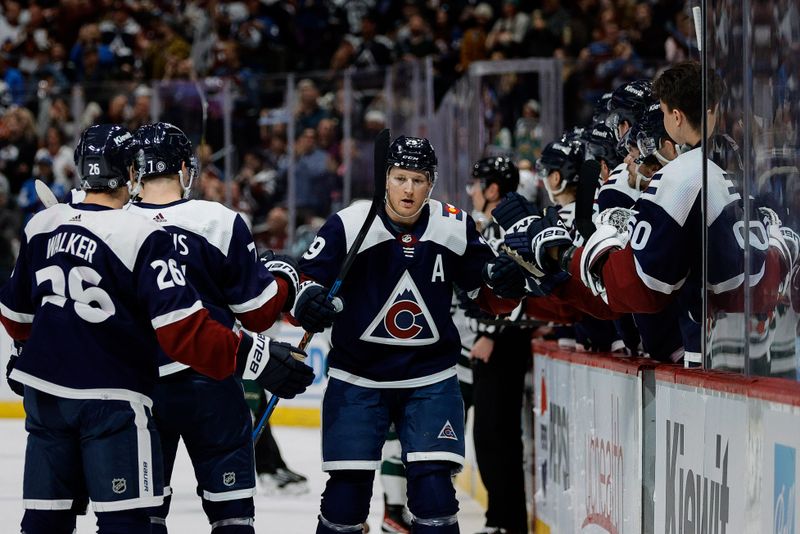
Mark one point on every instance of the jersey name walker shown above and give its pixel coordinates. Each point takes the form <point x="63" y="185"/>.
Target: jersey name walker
<point x="90" y="286"/>
<point x="398" y="331"/>
<point x="218" y="256"/>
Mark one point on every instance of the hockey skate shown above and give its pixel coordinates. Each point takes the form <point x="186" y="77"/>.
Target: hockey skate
<point x="283" y="482"/>
<point x="396" y="518"/>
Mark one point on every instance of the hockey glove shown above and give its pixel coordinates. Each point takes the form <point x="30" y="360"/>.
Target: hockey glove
<point x="285" y="267"/>
<point x="504" y="277"/>
<point x="612" y="234"/>
<point x="533" y="237"/>
<point x="513" y="209"/>
<point x="15" y="386"/>
<point x="277" y="367"/>
<point x="313" y="310"/>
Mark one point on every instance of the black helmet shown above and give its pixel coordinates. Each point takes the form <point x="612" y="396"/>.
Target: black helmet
<point x="103" y="155"/>
<point x="649" y="132"/>
<point x="628" y="103"/>
<point x="164" y="147"/>
<point x="565" y="156"/>
<point x="414" y="153"/>
<point x="601" y="144"/>
<point x="600" y="111"/>
<point x="498" y="170"/>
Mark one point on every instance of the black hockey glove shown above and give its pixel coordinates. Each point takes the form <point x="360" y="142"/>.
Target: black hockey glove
<point x="15" y="386"/>
<point x="285" y="267"/>
<point x="513" y="209"/>
<point x="505" y="277"/>
<point x="533" y="237"/>
<point x="313" y="310"/>
<point x="277" y="367"/>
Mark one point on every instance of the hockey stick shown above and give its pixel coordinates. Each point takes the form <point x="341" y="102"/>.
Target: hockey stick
<point x="46" y="196"/>
<point x="584" y="203"/>
<point x="379" y="175"/>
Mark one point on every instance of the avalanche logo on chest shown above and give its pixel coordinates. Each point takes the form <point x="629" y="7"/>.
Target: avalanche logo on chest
<point x="404" y="319"/>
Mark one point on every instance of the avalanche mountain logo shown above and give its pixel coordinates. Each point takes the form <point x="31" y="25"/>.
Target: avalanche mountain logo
<point x="447" y="432"/>
<point x="404" y="319"/>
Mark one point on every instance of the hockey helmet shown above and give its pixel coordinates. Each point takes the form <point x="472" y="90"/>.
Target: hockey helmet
<point x="601" y="144"/>
<point x="103" y="156"/>
<point x="498" y="170"/>
<point x="164" y="147"/>
<point x="648" y="133"/>
<point x="414" y="153"/>
<point x="628" y="102"/>
<point x="600" y="111"/>
<point x="564" y="156"/>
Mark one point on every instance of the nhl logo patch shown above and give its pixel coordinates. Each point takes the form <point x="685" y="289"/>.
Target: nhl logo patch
<point x="447" y="432"/>
<point x="229" y="479"/>
<point x="407" y="238"/>
<point x="118" y="485"/>
<point x="404" y="319"/>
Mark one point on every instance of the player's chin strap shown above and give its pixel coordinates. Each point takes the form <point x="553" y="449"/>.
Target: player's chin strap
<point x="187" y="187"/>
<point x="553" y="192"/>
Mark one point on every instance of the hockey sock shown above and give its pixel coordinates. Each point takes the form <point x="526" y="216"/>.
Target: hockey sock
<point x="133" y="521"/>
<point x="345" y="501"/>
<point x="230" y="517"/>
<point x="432" y="497"/>
<point x="48" y="522"/>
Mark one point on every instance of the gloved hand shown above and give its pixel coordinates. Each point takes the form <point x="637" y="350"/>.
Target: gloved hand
<point x="533" y="237"/>
<point x="513" y="208"/>
<point x="15" y="386"/>
<point x="278" y="367"/>
<point x="285" y="267"/>
<point x="313" y="310"/>
<point x="505" y="277"/>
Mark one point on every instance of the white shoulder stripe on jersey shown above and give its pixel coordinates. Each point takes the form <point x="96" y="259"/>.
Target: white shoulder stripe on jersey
<point x="352" y="218"/>
<point x="17" y="317"/>
<point x="80" y="394"/>
<point x="655" y="284"/>
<point x="394" y="384"/>
<point x="256" y="302"/>
<point x="177" y="315"/>
<point x="446" y="231"/>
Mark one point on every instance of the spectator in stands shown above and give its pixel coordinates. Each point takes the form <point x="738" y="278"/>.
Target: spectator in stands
<point x="328" y="139"/>
<point x="418" y="43"/>
<point x="373" y="49"/>
<point x="509" y="30"/>
<point x="309" y="112"/>
<point x="473" y="44"/>
<point x="168" y="48"/>
<point x="273" y="233"/>
<point x="17" y="146"/>
<point x="140" y="111"/>
<point x="648" y="39"/>
<point x="313" y="178"/>
<point x="546" y="33"/>
<point x="28" y="199"/>
<point x="61" y="155"/>
<point x="117" y="111"/>
<point x="10" y="220"/>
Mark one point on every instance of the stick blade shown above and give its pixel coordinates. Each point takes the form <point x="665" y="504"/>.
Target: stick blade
<point x="46" y="196"/>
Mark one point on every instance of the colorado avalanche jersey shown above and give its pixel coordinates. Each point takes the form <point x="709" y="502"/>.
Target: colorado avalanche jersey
<point x="218" y="256"/>
<point x="396" y="329"/>
<point x="94" y="292"/>
<point x="615" y="191"/>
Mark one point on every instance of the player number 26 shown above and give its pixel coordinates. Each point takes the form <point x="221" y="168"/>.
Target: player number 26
<point x="169" y="274"/>
<point x="92" y="303"/>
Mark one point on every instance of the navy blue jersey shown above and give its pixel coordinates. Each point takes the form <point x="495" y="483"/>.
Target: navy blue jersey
<point x="615" y="191"/>
<point x="396" y="329"/>
<point x="218" y="256"/>
<point x="94" y="292"/>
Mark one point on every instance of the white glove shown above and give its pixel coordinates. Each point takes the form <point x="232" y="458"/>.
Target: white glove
<point x="611" y="234"/>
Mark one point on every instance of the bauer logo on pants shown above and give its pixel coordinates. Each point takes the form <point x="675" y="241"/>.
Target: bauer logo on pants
<point x="404" y="319"/>
<point x="447" y="432"/>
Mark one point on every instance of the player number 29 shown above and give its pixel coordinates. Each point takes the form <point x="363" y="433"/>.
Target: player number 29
<point x="92" y="303"/>
<point x="314" y="248"/>
<point x="169" y="275"/>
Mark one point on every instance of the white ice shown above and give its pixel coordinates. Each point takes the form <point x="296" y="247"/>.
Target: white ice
<point x="274" y="515"/>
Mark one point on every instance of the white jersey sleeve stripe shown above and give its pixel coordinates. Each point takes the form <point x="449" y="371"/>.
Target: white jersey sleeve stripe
<point x="256" y="302"/>
<point x="655" y="284"/>
<point x="17" y="317"/>
<point x="176" y="315"/>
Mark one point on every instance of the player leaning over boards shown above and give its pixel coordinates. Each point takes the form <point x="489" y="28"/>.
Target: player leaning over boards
<point x="94" y="293"/>
<point x="218" y="257"/>
<point x="394" y="345"/>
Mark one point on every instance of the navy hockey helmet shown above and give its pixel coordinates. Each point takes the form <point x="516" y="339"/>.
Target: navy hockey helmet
<point x="649" y="133"/>
<point x="601" y="144"/>
<point x="414" y="153"/>
<point x="164" y="147"/>
<point x="628" y="102"/>
<point x="103" y="156"/>
<point x="600" y="111"/>
<point x="565" y="156"/>
<point x="498" y="170"/>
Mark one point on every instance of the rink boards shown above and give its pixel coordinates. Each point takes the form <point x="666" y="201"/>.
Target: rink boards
<point x="626" y="446"/>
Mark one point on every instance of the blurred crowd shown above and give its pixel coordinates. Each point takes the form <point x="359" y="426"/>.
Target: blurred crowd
<point x="70" y="63"/>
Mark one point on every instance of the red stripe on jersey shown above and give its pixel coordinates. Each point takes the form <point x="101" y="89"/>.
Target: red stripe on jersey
<point x="490" y="302"/>
<point x="18" y="331"/>
<point x="262" y="318"/>
<point x="626" y="292"/>
<point x="201" y="343"/>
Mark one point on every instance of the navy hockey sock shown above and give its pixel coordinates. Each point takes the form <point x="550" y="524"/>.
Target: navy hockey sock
<point x="345" y="501"/>
<point x="133" y="521"/>
<point x="230" y="517"/>
<point x="432" y="497"/>
<point x="48" y="522"/>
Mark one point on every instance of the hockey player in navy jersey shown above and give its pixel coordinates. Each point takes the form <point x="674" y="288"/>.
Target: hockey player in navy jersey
<point x="218" y="257"/>
<point x="394" y="345"/>
<point x="95" y="291"/>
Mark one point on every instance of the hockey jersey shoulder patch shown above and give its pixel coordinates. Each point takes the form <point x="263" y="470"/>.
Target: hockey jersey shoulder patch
<point x="447" y="226"/>
<point x="404" y="319"/>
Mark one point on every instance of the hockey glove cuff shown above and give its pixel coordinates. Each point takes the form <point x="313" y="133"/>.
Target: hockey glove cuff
<point x="277" y="367"/>
<point x="505" y="278"/>
<point x="313" y="310"/>
<point x="15" y="386"/>
<point x="283" y="266"/>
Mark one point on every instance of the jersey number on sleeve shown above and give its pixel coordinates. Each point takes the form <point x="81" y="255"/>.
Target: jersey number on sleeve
<point x="314" y="248"/>
<point x="92" y="304"/>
